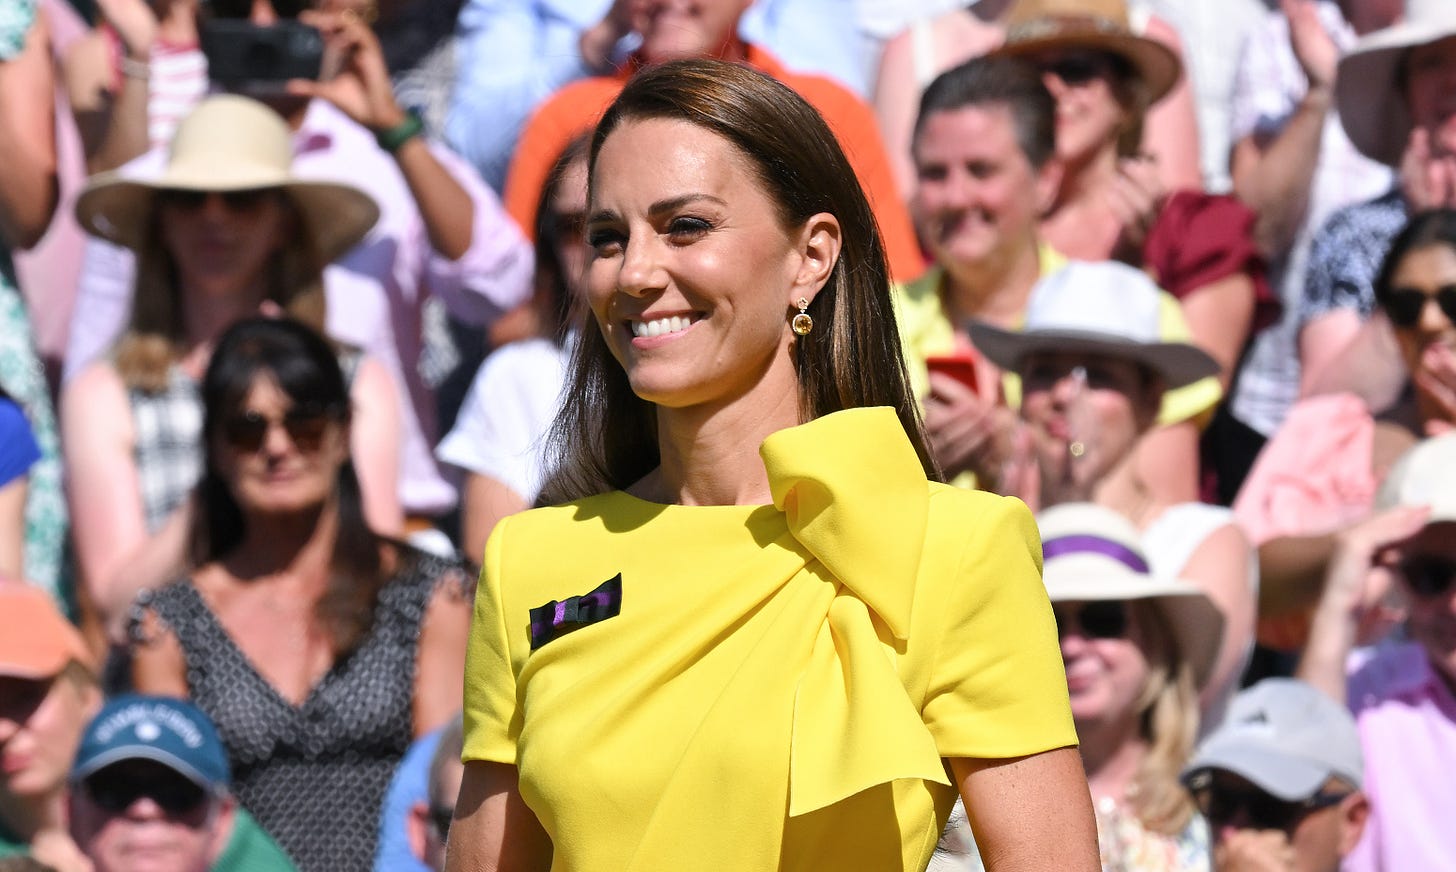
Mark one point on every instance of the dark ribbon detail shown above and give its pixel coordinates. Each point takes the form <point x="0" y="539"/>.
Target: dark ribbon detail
<point x="556" y="619"/>
<point x="1065" y="545"/>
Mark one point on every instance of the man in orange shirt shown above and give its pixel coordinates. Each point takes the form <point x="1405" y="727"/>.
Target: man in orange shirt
<point x="671" y="30"/>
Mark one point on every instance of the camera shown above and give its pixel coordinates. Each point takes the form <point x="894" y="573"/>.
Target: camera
<point x="254" y="58"/>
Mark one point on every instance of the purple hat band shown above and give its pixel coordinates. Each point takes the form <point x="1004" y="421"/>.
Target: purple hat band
<point x="1064" y="546"/>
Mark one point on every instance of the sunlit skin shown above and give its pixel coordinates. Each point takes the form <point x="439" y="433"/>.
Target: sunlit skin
<point x="1426" y="269"/>
<point x="1314" y="843"/>
<point x="280" y="478"/>
<point x="1430" y="91"/>
<point x="677" y="29"/>
<point x="221" y="251"/>
<point x="40" y="728"/>
<point x="1105" y="677"/>
<point x="977" y="197"/>
<point x="1105" y="415"/>
<point x="1088" y="113"/>
<point x="680" y="228"/>
<point x="144" y="837"/>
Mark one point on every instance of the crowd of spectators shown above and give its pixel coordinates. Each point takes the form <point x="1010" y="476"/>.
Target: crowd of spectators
<point x="276" y="355"/>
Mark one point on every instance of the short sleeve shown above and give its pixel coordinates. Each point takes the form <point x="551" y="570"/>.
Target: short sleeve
<point x="18" y="448"/>
<point x="1345" y="257"/>
<point x="1193" y="400"/>
<point x="492" y="717"/>
<point x="997" y="687"/>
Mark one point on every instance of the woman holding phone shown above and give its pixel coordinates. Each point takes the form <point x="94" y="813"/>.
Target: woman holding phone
<point x="701" y="674"/>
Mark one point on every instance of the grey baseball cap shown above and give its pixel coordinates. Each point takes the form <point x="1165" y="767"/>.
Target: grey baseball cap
<point x="1285" y="737"/>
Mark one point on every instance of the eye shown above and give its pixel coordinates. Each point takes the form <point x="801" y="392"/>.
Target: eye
<point x="604" y="241"/>
<point x="931" y="172"/>
<point x="685" y="228"/>
<point x="980" y="169"/>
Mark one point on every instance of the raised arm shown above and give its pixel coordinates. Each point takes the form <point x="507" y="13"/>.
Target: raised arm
<point x="374" y="443"/>
<point x="28" y="186"/>
<point x="107" y="80"/>
<point x="1172" y="129"/>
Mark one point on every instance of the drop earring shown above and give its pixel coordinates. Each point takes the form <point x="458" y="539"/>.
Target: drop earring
<point x="802" y="323"/>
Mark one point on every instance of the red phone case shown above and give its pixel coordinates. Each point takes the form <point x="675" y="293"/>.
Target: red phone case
<point x="959" y="367"/>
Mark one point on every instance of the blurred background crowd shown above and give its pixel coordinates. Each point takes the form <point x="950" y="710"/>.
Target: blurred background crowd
<point x="288" y="294"/>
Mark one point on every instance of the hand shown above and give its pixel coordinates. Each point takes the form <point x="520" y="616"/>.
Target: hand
<point x="1254" y="851"/>
<point x="1317" y="54"/>
<point x="1427" y="176"/>
<point x="135" y="22"/>
<point x="600" y="40"/>
<point x="1360" y="582"/>
<point x="1136" y="198"/>
<point x="362" y="88"/>
<point x="1435" y="380"/>
<point x="965" y="431"/>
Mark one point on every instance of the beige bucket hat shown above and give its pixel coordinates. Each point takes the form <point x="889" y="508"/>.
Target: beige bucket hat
<point x="1092" y="553"/>
<point x="1042" y="25"/>
<point x="228" y="143"/>
<point x="1367" y="87"/>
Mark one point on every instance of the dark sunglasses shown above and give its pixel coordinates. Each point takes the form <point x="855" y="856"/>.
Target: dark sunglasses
<point x="1077" y="68"/>
<point x="1405" y="305"/>
<point x="1102" y="619"/>
<point x="247" y="200"/>
<point x="244" y="8"/>
<point x="1428" y="575"/>
<point x="115" y="792"/>
<point x="440" y="818"/>
<point x="305" y="425"/>
<point x="1221" y="805"/>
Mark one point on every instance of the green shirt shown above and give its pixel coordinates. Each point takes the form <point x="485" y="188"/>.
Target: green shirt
<point x="10" y="844"/>
<point x="251" y="850"/>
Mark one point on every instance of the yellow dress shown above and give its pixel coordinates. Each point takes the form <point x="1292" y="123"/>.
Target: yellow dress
<point x="781" y="684"/>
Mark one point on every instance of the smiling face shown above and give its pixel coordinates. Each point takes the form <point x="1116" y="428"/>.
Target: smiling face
<point x="1430" y="91"/>
<point x="977" y="195"/>
<point x="40" y="728"/>
<point x="692" y="275"/>
<point x="676" y="29"/>
<point x="222" y="244"/>
<point x="1426" y="270"/>
<point x="1106" y="676"/>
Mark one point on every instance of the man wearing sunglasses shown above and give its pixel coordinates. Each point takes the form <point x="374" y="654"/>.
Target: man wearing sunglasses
<point x="149" y="791"/>
<point x="1279" y="781"/>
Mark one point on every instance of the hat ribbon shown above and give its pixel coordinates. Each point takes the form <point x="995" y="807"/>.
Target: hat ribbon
<point x="1084" y="544"/>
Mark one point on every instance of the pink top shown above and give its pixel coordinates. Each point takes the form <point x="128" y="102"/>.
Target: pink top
<point x="1407" y="719"/>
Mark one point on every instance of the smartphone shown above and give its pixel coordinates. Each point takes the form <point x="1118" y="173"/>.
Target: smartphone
<point x="258" y="59"/>
<point x="961" y="367"/>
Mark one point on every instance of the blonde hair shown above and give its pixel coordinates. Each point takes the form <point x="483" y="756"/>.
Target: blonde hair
<point x="1168" y="709"/>
<point x="155" y="334"/>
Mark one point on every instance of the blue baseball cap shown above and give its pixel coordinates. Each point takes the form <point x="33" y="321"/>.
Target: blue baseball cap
<point x="172" y="732"/>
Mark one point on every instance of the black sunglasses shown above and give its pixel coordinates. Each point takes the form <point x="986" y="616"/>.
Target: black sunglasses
<point x="1404" y="305"/>
<point x="304" y="424"/>
<point x="1100" y="619"/>
<point x="115" y="792"/>
<point x="246" y="200"/>
<point x="440" y="818"/>
<point x="1428" y="575"/>
<point x="1077" y="68"/>
<point x="244" y="8"/>
<point x="1221" y="805"/>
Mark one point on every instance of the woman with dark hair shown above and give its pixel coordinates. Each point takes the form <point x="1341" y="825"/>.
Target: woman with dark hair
<point x="319" y="648"/>
<point x="759" y="635"/>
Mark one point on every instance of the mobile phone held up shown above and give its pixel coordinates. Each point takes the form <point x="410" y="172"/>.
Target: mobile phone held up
<point x="961" y="367"/>
<point x="252" y="58"/>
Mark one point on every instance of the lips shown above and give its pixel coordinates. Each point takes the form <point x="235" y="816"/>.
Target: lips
<point x="646" y="328"/>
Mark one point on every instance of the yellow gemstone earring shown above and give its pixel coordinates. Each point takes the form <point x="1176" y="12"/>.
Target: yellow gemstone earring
<point x="802" y="323"/>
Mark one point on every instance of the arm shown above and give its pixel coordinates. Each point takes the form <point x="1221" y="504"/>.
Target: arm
<point x="158" y="666"/>
<point x="103" y="299"/>
<point x="374" y="438"/>
<point x="113" y="119"/>
<point x="1220" y="567"/>
<point x="896" y="99"/>
<point x="1370" y="367"/>
<point x="1167" y="462"/>
<point x="1220" y="316"/>
<point x="1030" y="812"/>
<point x="1323" y="343"/>
<point x="485" y="501"/>
<point x="494" y="830"/>
<point x="440" y="664"/>
<point x="116" y="555"/>
<point x="1172" y="123"/>
<point x="12" y="528"/>
<point x="29" y="189"/>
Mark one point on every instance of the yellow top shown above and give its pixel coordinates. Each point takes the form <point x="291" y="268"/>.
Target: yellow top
<point x="782" y="682"/>
<point x="926" y="331"/>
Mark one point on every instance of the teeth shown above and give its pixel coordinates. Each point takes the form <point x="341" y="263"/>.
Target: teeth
<point x="660" y="326"/>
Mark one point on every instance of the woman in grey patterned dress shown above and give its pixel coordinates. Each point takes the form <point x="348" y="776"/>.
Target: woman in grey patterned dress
<point x="318" y="648"/>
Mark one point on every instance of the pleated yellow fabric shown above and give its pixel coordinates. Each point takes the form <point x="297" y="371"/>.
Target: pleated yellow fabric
<point x="782" y="683"/>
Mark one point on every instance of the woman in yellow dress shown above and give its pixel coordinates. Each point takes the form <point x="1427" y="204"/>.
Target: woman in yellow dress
<point x="756" y="634"/>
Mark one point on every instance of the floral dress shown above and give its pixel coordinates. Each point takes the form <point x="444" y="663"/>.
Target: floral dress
<point x="1128" y="846"/>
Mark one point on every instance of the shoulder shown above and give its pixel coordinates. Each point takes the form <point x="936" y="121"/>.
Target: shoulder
<point x="1354" y="223"/>
<point x="974" y="526"/>
<point x="1385" y="673"/>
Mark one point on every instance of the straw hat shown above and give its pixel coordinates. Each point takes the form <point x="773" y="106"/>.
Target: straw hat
<point x="1091" y="553"/>
<point x="1425" y="475"/>
<point x="1367" y="91"/>
<point x="1099" y="308"/>
<point x="228" y="143"/>
<point x="1036" y="26"/>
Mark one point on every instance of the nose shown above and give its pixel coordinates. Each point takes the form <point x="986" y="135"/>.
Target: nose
<point x="1054" y="84"/>
<point x="144" y="808"/>
<point x="1433" y="320"/>
<point x="9" y="726"/>
<point x="214" y="208"/>
<point x="1068" y="385"/>
<point x="641" y="270"/>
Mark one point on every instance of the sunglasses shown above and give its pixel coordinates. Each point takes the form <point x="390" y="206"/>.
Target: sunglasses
<point x="1222" y="805"/>
<point x="244" y="8"/>
<point x="1404" y="306"/>
<point x="440" y="818"/>
<point x="1428" y="575"/>
<point x="1077" y="68"/>
<point x="305" y="426"/>
<point x="247" y="200"/>
<point x="115" y="792"/>
<point x="1101" y="619"/>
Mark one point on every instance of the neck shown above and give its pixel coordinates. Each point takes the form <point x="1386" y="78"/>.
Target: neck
<point x="1111" y="753"/>
<point x="297" y="546"/>
<point x="1124" y="491"/>
<point x="206" y="316"/>
<point x="31" y="817"/>
<point x="178" y="23"/>
<point x="994" y="290"/>
<point x="1084" y="179"/>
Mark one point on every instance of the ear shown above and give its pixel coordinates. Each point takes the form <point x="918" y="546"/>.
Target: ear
<point x="222" y="828"/>
<point x="1354" y="812"/>
<point x="416" y="822"/>
<point x="818" y="248"/>
<point x="1048" y="184"/>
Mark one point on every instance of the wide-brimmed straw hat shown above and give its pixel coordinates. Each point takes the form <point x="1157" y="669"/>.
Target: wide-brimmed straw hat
<point x="1036" y="26"/>
<point x="1091" y="553"/>
<point x="228" y="143"/>
<point x="1367" y="87"/>
<point x="1105" y="308"/>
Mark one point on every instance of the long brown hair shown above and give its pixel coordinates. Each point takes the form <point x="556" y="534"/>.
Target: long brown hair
<point x="155" y="334"/>
<point x="605" y="437"/>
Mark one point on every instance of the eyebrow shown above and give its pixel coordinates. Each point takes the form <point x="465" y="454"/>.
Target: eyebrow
<point x="671" y="204"/>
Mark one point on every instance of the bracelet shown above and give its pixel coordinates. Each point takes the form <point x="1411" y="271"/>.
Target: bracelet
<point x="390" y="140"/>
<point x="132" y="68"/>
